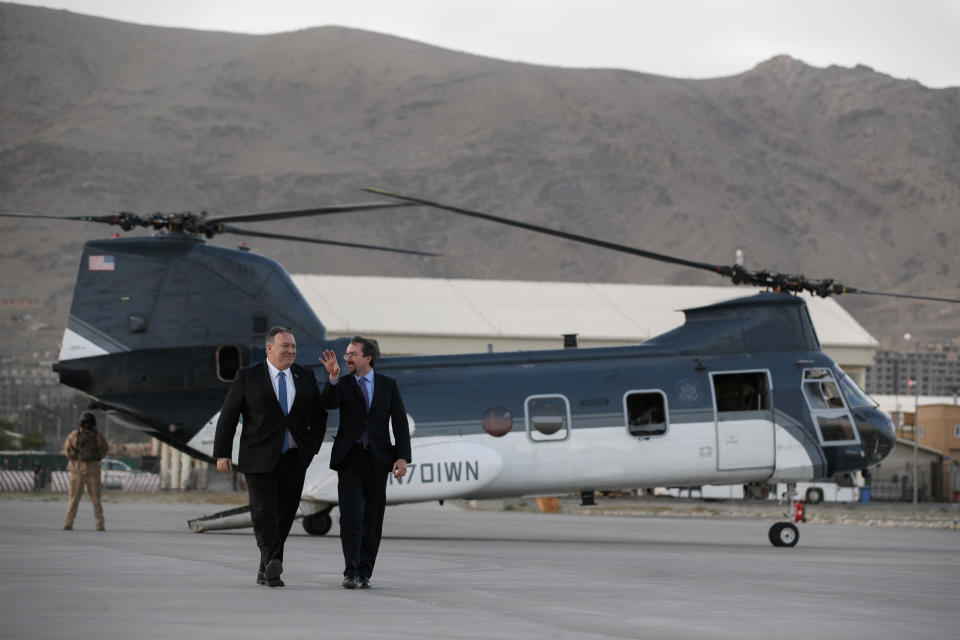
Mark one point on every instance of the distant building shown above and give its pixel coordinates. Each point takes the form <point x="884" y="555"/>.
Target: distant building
<point x="446" y="315"/>
<point x="892" y="480"/>
<point x="24" y="384"/>
<point x="936" y="368"/>
<point x="938" y="443"/>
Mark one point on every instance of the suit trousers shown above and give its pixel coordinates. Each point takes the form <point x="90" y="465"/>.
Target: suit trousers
<point x="274" y="500"/>
<point x="362" y="492"/>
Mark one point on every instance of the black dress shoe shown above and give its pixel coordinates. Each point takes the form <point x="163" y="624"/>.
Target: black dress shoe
<point x="273" y="570"/>
<point x="364" y="583"/>
<point x="350" y="582"/>
<point x="262" y="579"/>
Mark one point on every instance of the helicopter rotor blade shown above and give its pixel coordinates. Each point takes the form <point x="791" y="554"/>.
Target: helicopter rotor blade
<point x="4" y="214"/>
<point x="199" y="224"/>
<point x="898" y="295"/>
<point x="280" y="236"/>
<point x="124" y="219"/>
<point x="553" y="232"/>
<point x="738" y="274"/>
<point x="300" y="213"/>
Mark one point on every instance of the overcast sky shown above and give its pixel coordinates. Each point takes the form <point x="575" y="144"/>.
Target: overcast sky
<point x="916" y="39"/>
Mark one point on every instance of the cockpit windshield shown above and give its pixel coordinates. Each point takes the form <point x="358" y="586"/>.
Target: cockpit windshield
<point x="855" y="397"/>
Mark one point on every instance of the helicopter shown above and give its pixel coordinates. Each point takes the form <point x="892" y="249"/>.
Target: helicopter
<point x="741" y="393"/>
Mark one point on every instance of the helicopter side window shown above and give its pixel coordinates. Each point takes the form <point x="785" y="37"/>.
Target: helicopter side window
<point x="548" y="418"/>
<point x="741" y="391"/>
<point x="229" y="361"/>
<point x="646" y="413"/>
<point x="259" y="323"/>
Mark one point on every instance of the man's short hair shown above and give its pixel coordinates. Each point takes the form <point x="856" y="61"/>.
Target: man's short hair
<point x="275" y="330"/>
<point x="370" y="347"/>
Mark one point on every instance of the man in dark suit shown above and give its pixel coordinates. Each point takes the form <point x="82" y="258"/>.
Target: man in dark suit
<point x="283" y="426"/>
<point x="362" y="454"/>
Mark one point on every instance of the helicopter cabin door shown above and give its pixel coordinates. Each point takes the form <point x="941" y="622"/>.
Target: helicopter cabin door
<point x="744" y="417"/>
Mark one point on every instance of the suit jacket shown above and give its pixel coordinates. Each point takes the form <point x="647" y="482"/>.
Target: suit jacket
<point x="251" y="395"/>
<point x="386" y="406"/>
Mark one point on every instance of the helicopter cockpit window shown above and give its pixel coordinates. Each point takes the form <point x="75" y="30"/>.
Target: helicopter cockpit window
<point x="548" y="418"/>
<point x="229" y="361"/>
<point x="823" y="395"/>
<point x="832" y="393"/>
<point x="646" y="413"/>
<point x="855" y="397"/>
<point x="746" y="391"/>
<point x="827" y="407"/>
<point x="836" y="429"/>
<point x="821" y="391"/>
<point x="814" y="395"/>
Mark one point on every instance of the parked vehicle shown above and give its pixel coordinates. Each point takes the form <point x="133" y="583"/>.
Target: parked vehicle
<point x="113" y="473"/>
<point x="812" y="492"/>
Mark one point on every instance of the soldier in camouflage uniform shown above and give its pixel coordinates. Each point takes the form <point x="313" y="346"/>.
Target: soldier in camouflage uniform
<point x="85" y="447"/>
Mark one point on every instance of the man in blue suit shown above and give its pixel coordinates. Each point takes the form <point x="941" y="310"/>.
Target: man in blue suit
<point x="283" y="426"/>
<point x="362" y="453"/>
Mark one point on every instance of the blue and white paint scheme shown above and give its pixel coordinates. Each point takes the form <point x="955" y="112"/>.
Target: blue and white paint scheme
<point x="740" y="393"/>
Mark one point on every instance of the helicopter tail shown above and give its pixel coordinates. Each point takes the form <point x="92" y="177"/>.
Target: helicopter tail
<point x="152" y="317"/>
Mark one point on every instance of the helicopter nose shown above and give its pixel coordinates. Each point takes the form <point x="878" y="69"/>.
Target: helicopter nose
<point x="877" y="435"/>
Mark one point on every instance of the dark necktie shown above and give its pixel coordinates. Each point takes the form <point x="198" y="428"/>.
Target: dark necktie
<point x="282" y="397"/>
<point x="365" y="436"/>
<point x="366" y="392"/>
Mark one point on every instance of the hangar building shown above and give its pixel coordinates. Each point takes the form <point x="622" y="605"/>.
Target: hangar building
<point x="442" y="316"/>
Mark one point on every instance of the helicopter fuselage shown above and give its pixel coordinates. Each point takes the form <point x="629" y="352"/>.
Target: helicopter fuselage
<point x="529" y="423"/>
<point x="740" y="393"/>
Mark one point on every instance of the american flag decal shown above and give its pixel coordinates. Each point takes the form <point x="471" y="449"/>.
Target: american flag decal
<point x="101" y="263"/>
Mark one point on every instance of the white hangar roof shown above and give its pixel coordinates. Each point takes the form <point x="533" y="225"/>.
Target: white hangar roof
<point x="600" y="313"/>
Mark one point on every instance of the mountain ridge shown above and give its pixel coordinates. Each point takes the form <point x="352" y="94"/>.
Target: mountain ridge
<point x="835" y="172"/>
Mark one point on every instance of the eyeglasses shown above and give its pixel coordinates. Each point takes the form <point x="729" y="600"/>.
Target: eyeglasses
<point x="351" y="356"/>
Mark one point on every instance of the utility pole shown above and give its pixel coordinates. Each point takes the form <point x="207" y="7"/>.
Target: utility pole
<point x="916" y="433"/>
<point x="896" y="394"/>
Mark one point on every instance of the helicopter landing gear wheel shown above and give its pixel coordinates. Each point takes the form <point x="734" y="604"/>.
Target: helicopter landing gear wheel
<point x="784" y="534"/>
<point x="318" y="524"/>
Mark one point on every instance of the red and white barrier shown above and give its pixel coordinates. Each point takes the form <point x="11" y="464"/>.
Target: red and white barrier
<point x="142" y="483"/>
<point x="60" y="482"/>
<point x="16" y="480"/>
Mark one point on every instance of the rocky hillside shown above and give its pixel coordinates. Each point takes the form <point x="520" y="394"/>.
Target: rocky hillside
<point x="836" y="172"/>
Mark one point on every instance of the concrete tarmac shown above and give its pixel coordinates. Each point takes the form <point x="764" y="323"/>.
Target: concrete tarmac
<point x="444" y="572"/>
